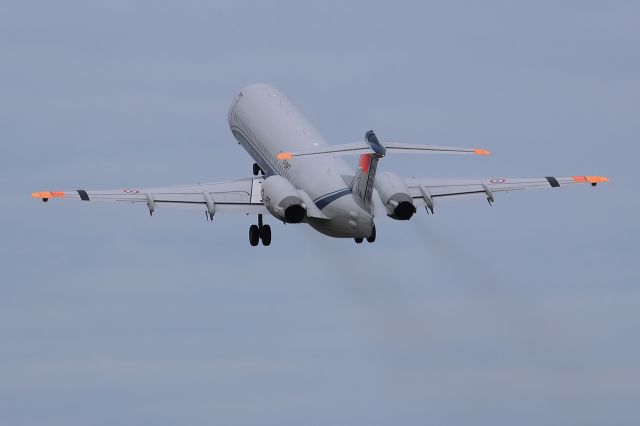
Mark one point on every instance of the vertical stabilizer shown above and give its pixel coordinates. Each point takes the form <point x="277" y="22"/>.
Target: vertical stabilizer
<point x="363" y="181"/>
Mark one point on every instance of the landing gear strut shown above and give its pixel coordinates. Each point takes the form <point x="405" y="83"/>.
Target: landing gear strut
<point x="371" y="238"/>
<point x="257" y="170"/>
<point x="259" y="232"/>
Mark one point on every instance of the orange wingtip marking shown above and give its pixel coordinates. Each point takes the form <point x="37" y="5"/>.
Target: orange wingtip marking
<point x="597" y="179"/>
<point x="41" y="195"/>
<point x="54" y="194"/>
<point x="284" y="156"/>
<point x="482" y="152"/>
<point x="590" y="179"/>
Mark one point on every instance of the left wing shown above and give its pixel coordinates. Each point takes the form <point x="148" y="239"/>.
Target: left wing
<point x="239" y="196"/>
<point x="425" y="191"/>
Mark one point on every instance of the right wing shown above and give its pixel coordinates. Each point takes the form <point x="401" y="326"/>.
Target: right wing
<point x="239" y="196"/>
<point x="425" y="191"/>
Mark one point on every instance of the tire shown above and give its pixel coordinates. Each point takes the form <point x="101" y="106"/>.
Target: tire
<point x="358" y="240"/>
<point x="254" y="235"/>
<point x="265" y="235"/>
<point x="371" y="238"/>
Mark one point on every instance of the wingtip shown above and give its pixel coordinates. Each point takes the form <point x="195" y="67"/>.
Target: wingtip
<point x="591" y="179"/>
<point x="482" y="152"/>
<point x="47" y="194"/>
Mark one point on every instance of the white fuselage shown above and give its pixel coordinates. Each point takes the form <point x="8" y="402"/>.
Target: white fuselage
<point x="265" y="122"/>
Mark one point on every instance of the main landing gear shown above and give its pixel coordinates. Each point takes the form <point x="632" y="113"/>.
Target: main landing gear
<point x="257" y="170"/>
<point x="259" y="232"/>
<point x="371" y="238"/>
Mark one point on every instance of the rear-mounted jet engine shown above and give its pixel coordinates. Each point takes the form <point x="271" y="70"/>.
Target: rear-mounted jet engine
<point x="395" y="196"/>
<point x="282" y="200"/>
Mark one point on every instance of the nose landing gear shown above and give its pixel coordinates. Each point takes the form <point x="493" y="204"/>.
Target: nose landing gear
<point x="259" y="232"/>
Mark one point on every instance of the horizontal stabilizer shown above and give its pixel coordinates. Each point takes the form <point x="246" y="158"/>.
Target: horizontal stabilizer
<point x="390" y="146"/>
<point x="406" y="148"/>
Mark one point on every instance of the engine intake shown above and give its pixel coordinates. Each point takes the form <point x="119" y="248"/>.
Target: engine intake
<point x="395" y="196"/>
<point x="282" y="200"/>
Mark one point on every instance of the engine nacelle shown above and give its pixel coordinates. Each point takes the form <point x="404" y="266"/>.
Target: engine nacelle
<point x="282" y="200"/>
<point x="395" y="196"/>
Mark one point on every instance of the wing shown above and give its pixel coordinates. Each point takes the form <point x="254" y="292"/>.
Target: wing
<point x="239" y="196"/>
<point x="426" y="191"/>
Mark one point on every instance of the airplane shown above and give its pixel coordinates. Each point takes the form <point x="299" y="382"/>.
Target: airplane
<point x="300" y="178"/>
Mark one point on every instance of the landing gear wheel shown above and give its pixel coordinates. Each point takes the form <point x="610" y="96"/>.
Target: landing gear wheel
<point x="358" y="240"/>
<point x="254" y="235"/>
<point x="371" y="238"/>
<point x="265" y="235"/>
<point x="260" y="232"/>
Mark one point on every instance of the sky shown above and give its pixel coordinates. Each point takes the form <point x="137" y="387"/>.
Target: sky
<point x="524" y="312"/>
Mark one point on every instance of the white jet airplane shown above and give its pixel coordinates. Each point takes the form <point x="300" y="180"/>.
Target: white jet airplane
<point x="300" y="178"/>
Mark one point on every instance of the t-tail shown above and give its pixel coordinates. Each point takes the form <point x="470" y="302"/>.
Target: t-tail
<point x="364" y="179"/>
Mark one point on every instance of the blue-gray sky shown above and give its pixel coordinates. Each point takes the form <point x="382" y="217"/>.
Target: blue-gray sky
<point x="521" y="313"/>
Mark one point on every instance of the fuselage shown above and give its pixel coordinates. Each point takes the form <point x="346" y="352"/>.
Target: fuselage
<point x="265" y="122"/>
